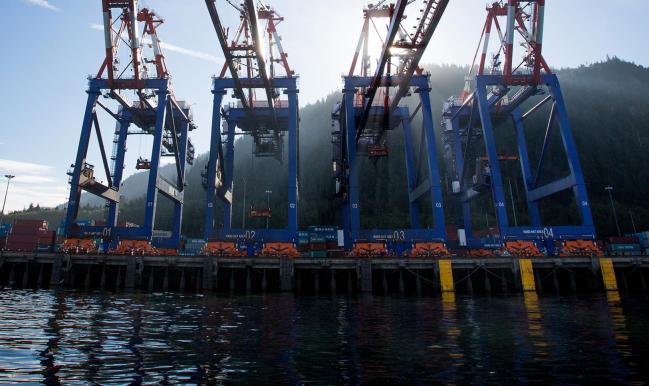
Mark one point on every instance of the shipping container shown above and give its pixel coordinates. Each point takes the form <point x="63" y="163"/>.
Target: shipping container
<point x="322" y="229"/>
<point x="318" y="246"/>
<point x="31" y="223"/>
<point x="336" y="253"/>
<point x="643" y="238"/>
<point x="623" y="240"/>
<point x="332" y="244"/>
<point x="624" y="249"/>
<point x="85" y="223"/>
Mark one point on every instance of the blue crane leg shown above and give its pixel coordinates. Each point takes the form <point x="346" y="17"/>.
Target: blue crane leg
<point x="118" y="171"/>
<point x="411" y="171"/>
<point x="526" y="168"/>
<point x="215" y="150"/>
<point x="353" y="194"/>
<point x="579" y="188"/>
<point x="492" y="154"/>
<point x="82" y="151"/>
<point x="433" y="166"/>
<point x="178" y="205"/>
<point x="459" y="171"/>
<point x="293" y="188"/>
<point x="152" y="187"/>
<point x="229" y="175"/>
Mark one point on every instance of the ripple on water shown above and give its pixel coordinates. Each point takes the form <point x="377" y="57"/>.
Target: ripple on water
<point x="104" y="338"/>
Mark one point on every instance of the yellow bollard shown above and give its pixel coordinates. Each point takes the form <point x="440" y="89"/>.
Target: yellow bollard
<point x="608" y="273"/>
<point x="527" y="274"/>
<point x="446" y="276"/>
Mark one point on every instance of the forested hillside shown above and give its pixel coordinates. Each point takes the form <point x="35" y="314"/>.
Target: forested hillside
<point x="608" y="104"/>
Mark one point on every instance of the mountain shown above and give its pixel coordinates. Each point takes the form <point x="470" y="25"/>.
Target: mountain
<point x="607" y="104"/>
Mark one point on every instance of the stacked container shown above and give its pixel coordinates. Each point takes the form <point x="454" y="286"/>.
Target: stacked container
<point x="321" y="240"/>
<point x="192" y="247"/>
<point x="623" y="246"/>
<point x="643" y="239"/>
<point x="303" y="241"/>
<point x="30" y="236"/>
<point x="4" y="232"/>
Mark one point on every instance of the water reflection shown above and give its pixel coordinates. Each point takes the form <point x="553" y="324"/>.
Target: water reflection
<point x="68" y="337"/>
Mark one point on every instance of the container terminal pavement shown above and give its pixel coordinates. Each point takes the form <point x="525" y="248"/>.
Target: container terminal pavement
<point x="133" y="88"/>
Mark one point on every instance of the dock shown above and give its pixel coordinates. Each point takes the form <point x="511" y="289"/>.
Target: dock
<point x="420" y="276"/>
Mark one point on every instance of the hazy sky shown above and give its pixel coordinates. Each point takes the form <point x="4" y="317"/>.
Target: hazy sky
<point x="50" y="46"/>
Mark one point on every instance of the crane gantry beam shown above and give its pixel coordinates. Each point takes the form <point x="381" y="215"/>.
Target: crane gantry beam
<point x="253" y="22"/>
<point x="252" y="48"/>
<point x="412" y="50"/>
<point x="227" y="52"/>
<point x="397" y="12"/>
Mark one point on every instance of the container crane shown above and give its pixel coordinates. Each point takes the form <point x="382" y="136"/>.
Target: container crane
<point x="133" y="67"/>
<point x="252" y="66"/>
<point x="501" y="90"/>
<point x="370" y="107"/>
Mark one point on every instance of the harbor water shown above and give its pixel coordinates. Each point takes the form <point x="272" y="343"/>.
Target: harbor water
<point x="71" y="337"/>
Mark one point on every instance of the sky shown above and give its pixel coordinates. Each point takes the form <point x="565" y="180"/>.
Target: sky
<point x="49" y="48"/>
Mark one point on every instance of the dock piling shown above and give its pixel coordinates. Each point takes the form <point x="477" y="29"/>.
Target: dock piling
<point x="366" y="275"/>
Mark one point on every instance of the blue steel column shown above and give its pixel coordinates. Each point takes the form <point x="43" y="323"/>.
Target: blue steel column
<point x="215" y="150"/>
<point x="526" y="168"/>
<point x="82" y="151"/>
<point x="118" y="171"/>
<point x="410" y="170"/>
<point x="433" y="167"/>
<point x="293" y="189"/>
<point x="579" y="189"/>
<point x="492" y="153"/>
<point x="353" y="194"/>
<point x="229" y="175"/>
<point x="459" y="171"/>
<point x="178" y="205"/>
<point x="152" y="187"/>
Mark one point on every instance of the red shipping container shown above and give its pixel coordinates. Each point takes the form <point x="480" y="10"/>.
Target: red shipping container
<point x="31" y="223"/>
<point x="451" y="232"/>
<point x="318" y="246"/>
<point x="22" y="238"/>
<point x="13" y="246"/>
<point x="336" y="254"/>
<point x="27" y="230"/>
<point x="332" y="244"/>
<point x="623" y="240"/>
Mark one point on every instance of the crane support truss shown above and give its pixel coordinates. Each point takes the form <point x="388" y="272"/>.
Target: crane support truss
<point x="371" y="106"/>
<point x="346" y="168"/>
<point x="266" y="121"/>
<point x="495" y="95"/>
<point x="155" y="112"/>
<point x="408" y="49"/>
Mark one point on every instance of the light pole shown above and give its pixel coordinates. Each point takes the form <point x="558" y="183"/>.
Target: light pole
<point x="268" y="193"/>
<point x="609" y="189"/>
<point x="2" y="213"/>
